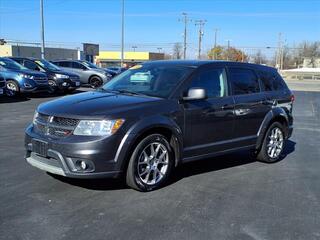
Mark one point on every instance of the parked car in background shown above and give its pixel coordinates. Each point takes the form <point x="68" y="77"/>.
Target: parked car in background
<point x="111" y="72"/>
<point x="58" y="79"/>
<point x="88" y="72"/>
<point x="2" y="84"/>
<point x="118" y="70"/>
<point x="155" y="116"/>
<point x="20" y="79"/>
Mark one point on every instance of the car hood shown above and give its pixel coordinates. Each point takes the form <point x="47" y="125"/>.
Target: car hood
<point x="64" y="72"/>
<point x="96" y="104"/>
<point x="29" y="72"/>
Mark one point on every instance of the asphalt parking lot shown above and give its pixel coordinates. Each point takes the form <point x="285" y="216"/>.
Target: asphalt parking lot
<point x="229" y="197"/>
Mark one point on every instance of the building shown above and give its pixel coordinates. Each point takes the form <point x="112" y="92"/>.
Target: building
<point x="16" y="50"/>
<point x="112" y="58"/>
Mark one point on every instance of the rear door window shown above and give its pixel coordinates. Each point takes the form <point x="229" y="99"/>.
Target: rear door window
<point x="64" y="64"/>
<point x="213" y="81"/>
<point x="78" y="65"/>
<point x="243" y="81"/>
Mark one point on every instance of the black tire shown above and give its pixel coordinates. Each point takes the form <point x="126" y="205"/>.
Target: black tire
<point x="95" y="82"/>
<point x="10" y="84"/>
<point x="263" y="154"/>
<point x="133" y="179"/>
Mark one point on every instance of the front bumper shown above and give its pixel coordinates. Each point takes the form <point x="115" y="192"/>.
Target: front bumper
<point x="63" y="155"/>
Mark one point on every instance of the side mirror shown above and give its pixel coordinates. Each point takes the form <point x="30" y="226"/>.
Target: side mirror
<point x="195" y="94"/>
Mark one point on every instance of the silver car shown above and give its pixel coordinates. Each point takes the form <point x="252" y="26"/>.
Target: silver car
<point x="88" y="72"/>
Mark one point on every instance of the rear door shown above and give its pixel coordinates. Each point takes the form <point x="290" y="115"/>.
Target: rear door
<point x="208" y="122"/>
<point x="250" y="108"/>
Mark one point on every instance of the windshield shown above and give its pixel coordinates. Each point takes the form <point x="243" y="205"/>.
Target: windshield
<point x="151" y="80"/>
<point x="10" y="64"/>
<point x="89" y="64"/>
<point x="47" y="65"/>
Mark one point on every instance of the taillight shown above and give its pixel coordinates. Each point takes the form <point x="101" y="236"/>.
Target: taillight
<point x="292" y="98"/>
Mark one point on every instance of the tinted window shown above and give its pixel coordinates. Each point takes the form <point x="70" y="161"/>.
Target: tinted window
<point x="213" y="81"/>
<point x="63" y="64"/>
<point x="271" y="81"/>
<point x="77" y="65"/>
<point x="243" y="81"/>
<point x="31" y="65"/>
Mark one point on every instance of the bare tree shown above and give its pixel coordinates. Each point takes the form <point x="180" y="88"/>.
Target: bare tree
<point x="177" y="51"/>
<point x="259" y="58"/>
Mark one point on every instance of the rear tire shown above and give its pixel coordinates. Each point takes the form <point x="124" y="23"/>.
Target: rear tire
<point x="95" y="82"/>
<point x="150" y="164"/>
<point x="273" y="144"/>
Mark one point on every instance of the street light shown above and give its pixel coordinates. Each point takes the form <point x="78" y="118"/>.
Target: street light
<point x="134" y="48"/>
<point x="159" y="49"/>
<point x="42" y="28"/>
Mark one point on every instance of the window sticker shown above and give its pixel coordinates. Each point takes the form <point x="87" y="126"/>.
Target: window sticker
<point x="140" y="77"/>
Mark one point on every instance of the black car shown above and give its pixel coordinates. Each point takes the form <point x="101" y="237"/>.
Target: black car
<point x="155" y="116"/>
<point x="58" y="79"/>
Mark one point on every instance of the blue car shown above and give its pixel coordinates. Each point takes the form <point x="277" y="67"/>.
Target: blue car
<point x="20" y="79"/>
<point x="2" y="85"/>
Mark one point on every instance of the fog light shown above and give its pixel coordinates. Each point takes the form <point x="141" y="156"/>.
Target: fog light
<point x="83" y="165"/>
<point x="27" y="85"/>
<point x="64" y="84"/>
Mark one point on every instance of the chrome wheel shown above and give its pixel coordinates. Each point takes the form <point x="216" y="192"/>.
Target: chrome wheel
<point x="275" y="143"/>
<point x="153" y="163"/>
<point x="12" y="87"/>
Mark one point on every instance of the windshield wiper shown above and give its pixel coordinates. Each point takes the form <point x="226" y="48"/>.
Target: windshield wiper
<point x="125" y="91"/>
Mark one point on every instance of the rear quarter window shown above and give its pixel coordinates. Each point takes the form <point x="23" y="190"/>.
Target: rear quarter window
<point x="271" y="81"/>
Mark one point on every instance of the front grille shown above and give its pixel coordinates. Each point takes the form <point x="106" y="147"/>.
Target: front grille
<point x="41" y="80"/>
<point x="74" y="79"/>
<point x="54" y="126"/>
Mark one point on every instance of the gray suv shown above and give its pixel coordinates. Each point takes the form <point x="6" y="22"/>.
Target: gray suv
<point x="145" y="122"/>
<point x="88" y="72"/>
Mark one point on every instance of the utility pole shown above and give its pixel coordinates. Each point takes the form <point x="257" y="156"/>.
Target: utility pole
<point x="215" y="42"/>
<point x="42" y="29"/>
<point x="228" y="50"/>
<point x="200" y="23"/>
<point x="185" y="20"/>
<point x="122" y="34"/>
<point x="134" y="48"/>
<point x="279" y="60"/>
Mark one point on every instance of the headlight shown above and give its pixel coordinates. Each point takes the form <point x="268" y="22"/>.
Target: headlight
<point x="98" y="128"/>
<point x="58" y="75"/>
<point x="22" y="75"/>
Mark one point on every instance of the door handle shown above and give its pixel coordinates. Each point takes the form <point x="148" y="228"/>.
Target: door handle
<point x="269" y="102"/>
<point x="227" y="107"/>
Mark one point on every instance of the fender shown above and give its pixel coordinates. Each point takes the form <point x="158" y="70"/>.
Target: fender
<point x="141" y="127"/>
<point x="271" y="115"/>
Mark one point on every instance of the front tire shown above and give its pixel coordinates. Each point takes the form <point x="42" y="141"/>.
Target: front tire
<point x="95" y="82"/>
<point x="150" y="164"/>
<point x="273" y="144"/>
<point x="12" y="88"/>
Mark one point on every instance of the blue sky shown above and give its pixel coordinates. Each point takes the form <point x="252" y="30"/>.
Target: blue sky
<point x="154" y="23"/>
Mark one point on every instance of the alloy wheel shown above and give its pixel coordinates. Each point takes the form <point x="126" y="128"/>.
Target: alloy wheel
<point x="153" y="163"/>
<point x="275" y="143"/>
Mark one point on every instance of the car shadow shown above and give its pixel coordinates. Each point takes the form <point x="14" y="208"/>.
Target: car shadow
<point x="15" y="99"/>
<point x="93" y="184"/>
<point x="235" y="159"/>
<point x="231" y="160"/>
